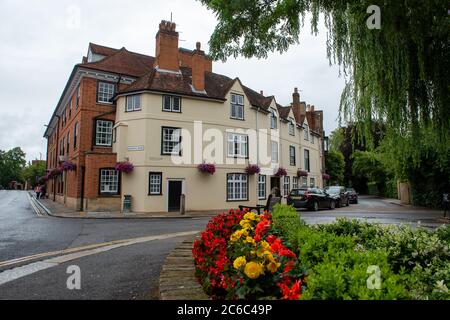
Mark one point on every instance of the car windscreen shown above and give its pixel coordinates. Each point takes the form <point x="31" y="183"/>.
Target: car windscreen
<point x="333" y="190"/>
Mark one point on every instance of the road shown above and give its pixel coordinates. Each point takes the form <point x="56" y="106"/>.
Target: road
<point x="112" y="268"/>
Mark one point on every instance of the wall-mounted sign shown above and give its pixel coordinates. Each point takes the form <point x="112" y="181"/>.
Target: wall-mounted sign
<point x="136" y="148"/>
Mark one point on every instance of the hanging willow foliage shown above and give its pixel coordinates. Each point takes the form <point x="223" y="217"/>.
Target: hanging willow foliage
<point x="397" y="74"/>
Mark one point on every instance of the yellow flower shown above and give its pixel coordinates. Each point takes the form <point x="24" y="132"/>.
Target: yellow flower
<point x="250" y="240"/>
<point x="245" y="223"/>
<point x="273" y="266"/>
<point x="265" y="245"/>
<point x="239" y="262"/>
<point x="250" y="216"/>
<point x="253" y="270"/>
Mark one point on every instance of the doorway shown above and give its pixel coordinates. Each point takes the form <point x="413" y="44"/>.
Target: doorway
<point x="175" y="190"/>
<point x="275" y="183"/>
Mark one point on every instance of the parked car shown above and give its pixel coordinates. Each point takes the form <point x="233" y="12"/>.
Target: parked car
<point x="352" y="195"/>
<point x="339" y="194"/>
<point x="310" y="198"/>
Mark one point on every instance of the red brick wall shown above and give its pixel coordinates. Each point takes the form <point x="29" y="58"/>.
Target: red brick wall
<point x="95" y="162"/>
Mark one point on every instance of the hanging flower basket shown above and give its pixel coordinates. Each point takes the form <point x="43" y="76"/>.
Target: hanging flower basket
<point x="302" y="173"/>
<point x="281" y="172"/>
<point x="68" y="166"/>
<point x="54" y="173"/>
<point x="125" y="167"/>
<point x="253" y="169"/>
<point x="326" y="176"/>
<point x="207" y="168"/>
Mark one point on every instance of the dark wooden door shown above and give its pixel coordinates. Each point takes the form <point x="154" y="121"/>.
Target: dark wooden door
<point x="175" y="189"/>
<point x="275" y="183"/>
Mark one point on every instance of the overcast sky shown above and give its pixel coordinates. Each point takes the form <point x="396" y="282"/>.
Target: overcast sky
<point x="40" y="41"/>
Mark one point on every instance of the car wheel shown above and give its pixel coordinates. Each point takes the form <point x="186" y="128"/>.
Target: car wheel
<point x="348" y="203"/>
<point x="332" y="205"/>
<point x="315" y="206"/>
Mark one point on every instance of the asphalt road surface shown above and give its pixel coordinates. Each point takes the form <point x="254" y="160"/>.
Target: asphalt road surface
<point x="120" y="259"/>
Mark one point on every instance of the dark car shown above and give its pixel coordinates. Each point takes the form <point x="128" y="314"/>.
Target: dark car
<point x="339" y="194"/>
<point x="352" y="195"/>
<point x="310" y="198"/>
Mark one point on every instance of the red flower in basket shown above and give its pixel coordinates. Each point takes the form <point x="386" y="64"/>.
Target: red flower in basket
<point x="281" y="172"/>
<point x="125" y="167"/>
<point x="207" y="168"/>
<point x="253" y="169"/>
<point x="302" y="173"/>
<point x="68" y="166"/>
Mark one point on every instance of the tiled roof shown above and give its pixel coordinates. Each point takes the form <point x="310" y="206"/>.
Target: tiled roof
<point x="283" y="112"/>
<point x="123" y="62"/>
<point x="102" y="50"/>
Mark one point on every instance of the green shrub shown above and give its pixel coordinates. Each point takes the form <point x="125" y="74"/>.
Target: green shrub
<point x="286" y="222"/>
<point x="344" y="276"/>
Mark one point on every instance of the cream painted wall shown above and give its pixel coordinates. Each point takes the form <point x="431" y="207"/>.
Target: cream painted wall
<point x="142" y="130"/>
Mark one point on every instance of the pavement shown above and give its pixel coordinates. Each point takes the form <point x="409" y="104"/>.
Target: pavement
<point x="56" y="209"/>
<point x="121" y="259"/>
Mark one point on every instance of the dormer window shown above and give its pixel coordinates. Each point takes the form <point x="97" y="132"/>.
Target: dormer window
<point x="105" y="92"/>
<point x="273" y="119"/>
<point x="237" y="106"/>
<point x="291" y="127"/>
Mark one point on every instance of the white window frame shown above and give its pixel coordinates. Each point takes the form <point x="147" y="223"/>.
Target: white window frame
<point x="262" y="180"/>
<point x="237" y="145"/>
<point x="307" y="163"/>
<point x="304" y="181"/>
<point x="155" y="183"/>
<point x="286" y="185"/>
<point x="291" y="127"/>
<point x="133" y="103"/>
<point x="312" y="182"/>
<point x="292" y="164"/>
<point x="273" y="119"/>
<point x="170" y="142"/>
<point x="294" y="182"/>
<point x="172" y="106"/>
<point x="275" y="153"/>
<point x="237" y="106"/>
<point x="109" y="177"/>
<point x="237" y="187"/>
<point x="103" y="133"/>
<point x="306" y="132"/>
<point x="105" y="92"/>
<point x="75" y="135"/>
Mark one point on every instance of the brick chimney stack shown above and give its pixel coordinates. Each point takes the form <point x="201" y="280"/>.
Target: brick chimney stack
<point x="167" y="47"/>
<point x="198" y="68"/>
<point x="297" y="107"/>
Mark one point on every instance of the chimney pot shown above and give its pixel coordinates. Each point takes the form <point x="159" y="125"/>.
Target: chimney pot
<point x="167" y="46"/>
<point x="198" y="46"/>
<point x="261" y="92"/>
<point x="295" y="90"/>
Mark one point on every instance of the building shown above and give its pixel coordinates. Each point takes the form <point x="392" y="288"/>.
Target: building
<point x="166" y="115"/>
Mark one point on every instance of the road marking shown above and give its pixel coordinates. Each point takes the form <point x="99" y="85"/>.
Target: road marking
<point x="19" y="272"/>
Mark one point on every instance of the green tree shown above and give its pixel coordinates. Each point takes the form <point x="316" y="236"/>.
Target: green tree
<point x="11" y="164"/>
<point x="397" y="75"/>
<point x="31" y="172"/>
<point x="335" y="164"/>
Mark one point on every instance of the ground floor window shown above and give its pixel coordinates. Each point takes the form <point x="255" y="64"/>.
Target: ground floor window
<point x="109" y="182"/>
<point x="312" y="183"/>
<point x="304" y="181"/>
<point x="155" y="182"/>
<point x="286" y="186"/>
<point x="294" y="183"/>
<point x="237" y="187"/>
<point x="261" y="187"/>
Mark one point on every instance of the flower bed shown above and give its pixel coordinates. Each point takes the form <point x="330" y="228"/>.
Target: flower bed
<point x="244" y="255"/>
<point x="239" y="257"/>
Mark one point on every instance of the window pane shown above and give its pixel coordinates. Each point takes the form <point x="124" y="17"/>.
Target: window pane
<point x="105" y="92"/>
<point x="176" y="104"/>
<point x="167" y="103"/>
<point x="109" y="181"/>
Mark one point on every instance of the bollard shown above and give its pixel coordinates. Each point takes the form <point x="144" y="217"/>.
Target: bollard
<point x="127" y="204"/>
<point x="182" y="204"/>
